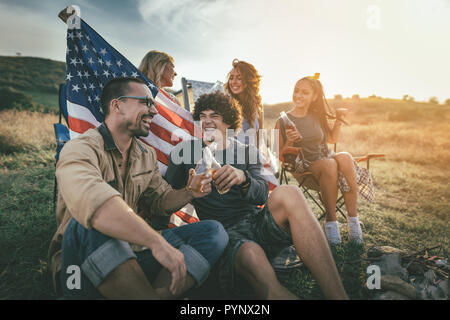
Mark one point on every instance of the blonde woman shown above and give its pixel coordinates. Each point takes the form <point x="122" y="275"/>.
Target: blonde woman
<point x="159" y="67"/>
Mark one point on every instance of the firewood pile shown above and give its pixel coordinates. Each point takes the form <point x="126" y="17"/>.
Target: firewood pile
<point x="420" y="275"/>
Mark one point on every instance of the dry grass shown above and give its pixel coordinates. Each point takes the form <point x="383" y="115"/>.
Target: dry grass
<point x="413" y="132"/>
<point x="410" y="211"/>
<point x="412" y="193"/>
<point x="25" y="131"/>
<point x="26" y="139"/>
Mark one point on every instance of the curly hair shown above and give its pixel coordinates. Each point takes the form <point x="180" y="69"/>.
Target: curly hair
<point x="221" y="104"/>
<point x="250" y="99"/>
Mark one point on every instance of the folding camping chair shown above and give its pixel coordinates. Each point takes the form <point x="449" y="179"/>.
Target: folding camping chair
<point x="310" y="186"/>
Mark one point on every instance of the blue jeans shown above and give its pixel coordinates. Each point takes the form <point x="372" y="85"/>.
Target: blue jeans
<point x="88" y="256"/>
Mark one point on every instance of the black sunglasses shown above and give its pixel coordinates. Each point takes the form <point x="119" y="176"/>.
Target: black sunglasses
<point x="148" y="101"/>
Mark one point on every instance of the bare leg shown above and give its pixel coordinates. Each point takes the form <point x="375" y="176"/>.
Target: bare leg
<point x="251" y="262"/>
<point x="325" y="171"/>
<point x="345" y="165"/>
<point x="127" y="281"/>
<point x="291" y="211"/>
<point x="162" y="284"/>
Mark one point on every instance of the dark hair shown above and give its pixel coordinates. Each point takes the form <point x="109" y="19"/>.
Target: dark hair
<point x="319" y="108"/>
<point x="250" y="99"/>
<point x="221" y="104"/>
<point x="115" y="88"/>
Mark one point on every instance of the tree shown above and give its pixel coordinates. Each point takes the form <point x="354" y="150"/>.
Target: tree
<point x="433" y="100"/>
<point x="337" y="97"/>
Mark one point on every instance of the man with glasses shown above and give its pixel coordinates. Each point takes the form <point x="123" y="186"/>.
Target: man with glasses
<point x="109" y="183"/>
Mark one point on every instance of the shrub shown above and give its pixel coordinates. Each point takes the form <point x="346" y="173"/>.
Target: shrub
<point x="447" y="102"/>
<point x="433" y="100"/>
<point x="337" y="97"/>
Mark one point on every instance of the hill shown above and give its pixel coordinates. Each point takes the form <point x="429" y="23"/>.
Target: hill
<point x="30" y="83"/>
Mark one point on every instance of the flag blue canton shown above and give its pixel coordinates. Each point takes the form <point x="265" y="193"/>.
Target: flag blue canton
<point x="91" y="63"/>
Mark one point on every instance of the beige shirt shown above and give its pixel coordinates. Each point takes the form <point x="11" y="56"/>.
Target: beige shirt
<point x="88" y="174"/>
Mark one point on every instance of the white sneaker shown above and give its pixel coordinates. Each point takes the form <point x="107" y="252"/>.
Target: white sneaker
<point x="354" y="230"/>
<point x="332" y="232"/>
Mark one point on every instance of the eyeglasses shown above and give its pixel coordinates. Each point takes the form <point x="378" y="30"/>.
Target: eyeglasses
<point x="148" y="101"/>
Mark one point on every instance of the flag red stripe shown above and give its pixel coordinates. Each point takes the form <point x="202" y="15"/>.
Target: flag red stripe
<point x="160" y="156"/>
<point x="164" y="134"/>
<point x="186" y="217"/>
<point x="175" y="118"/>
<point x="79" y="125"/>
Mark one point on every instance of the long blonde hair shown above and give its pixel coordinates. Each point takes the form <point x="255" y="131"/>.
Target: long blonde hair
<point x="153" y="64"/>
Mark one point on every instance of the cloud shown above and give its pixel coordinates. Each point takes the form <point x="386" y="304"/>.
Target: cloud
<point x="187" y="21"/>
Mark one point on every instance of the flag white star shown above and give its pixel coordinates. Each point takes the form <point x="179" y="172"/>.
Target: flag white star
<point x="87" y="38"/>
<point x="95" y="73"/>
<point x="97" y="98"/>
<point x="81" y="62"/>
<point x="152" y="85"/>
<point x="68" y="50"/>
<point x="70" y="35"/>
<point x="106" y="73"/>
<point x="113" y="75"/>
<point x="85" y="48"/>
<point x="84" y="86"/>
<point x="91" y="86"/>
<point x="103" y="51"/>
<point x="90" y="61"/>
<point x="75" y="88"/>
<point x="79" y="35"/>
<point x="79" y="74"/>
<point x="100" y="61"/>
<point x="89" y="99"/>
<point x="86" y="74"/>
<point x="108" y="63"/>
<point x="73" y="61"/>
<point x="134" y="74"/>
<point x="76" y="49"/>
<point x="119" y="63"/>
<point x="124" y="74"/>
<point x="69" y="76"/>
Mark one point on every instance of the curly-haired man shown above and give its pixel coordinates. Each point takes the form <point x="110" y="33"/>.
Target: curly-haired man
<point x="255" y="235"/>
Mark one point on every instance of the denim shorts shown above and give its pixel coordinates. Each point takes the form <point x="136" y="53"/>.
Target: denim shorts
<point x="259" y="227"/>
<point x="96" y="255"/>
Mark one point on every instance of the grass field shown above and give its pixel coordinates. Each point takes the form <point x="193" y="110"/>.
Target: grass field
<point x="411" y="208"/>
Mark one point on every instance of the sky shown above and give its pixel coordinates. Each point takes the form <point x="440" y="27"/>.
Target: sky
<point x="384" y="47"/>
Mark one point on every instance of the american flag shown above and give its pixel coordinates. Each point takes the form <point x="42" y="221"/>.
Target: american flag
<point x="91" y="63"/>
